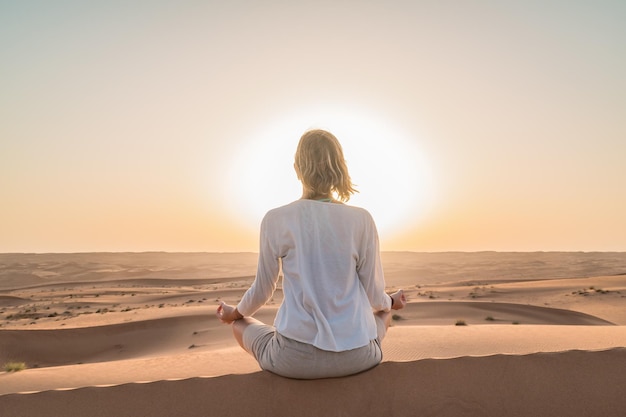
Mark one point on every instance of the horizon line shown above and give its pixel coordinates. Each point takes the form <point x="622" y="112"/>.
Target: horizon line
<point x="256" y="252"/>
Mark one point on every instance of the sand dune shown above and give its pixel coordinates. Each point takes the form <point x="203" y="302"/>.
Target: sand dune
<point x="192" y="330"/>
<point x="572" y="383"/>
<point x="135" y="334"/>
<point x="473" y="312"/>
<point x="403" y="343"/>
<point x="41" y="348"/>
<point x="192" y="325"/>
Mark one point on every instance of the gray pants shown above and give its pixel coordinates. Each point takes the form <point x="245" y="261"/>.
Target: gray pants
<point x="290" y="358"/>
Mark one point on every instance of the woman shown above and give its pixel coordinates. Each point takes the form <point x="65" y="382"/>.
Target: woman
<point x="335" y="311"/>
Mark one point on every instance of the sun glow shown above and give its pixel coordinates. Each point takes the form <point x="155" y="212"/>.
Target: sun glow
<point x="391" y="174"/>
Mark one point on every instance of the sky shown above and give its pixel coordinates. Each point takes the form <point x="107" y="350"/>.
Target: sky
<point x="171" y="126"/>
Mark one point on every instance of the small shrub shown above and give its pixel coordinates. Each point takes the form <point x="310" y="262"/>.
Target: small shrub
<point x="14" y="366"/>
<point x="396" y="317"/>
<point x="489" y="318"/>
<point x="460" y="323"/>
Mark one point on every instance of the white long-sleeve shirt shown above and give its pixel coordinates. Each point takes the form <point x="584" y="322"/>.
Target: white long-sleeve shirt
<point x="333" y="277"/>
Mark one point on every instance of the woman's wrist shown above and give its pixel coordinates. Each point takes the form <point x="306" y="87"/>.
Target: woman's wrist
<point x="392" y="300"/>
<point x="238" y="315"/>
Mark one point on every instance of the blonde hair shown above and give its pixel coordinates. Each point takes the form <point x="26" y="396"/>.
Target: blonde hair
<point x="321" y="166"/>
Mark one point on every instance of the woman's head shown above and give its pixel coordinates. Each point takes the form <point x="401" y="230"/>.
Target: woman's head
<point x="321" y="166"/>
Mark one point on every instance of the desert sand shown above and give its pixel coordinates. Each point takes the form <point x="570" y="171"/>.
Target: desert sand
<point x="131" y="334"/>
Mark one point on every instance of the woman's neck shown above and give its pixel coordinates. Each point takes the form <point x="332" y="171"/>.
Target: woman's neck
<point x="317" y="197"/>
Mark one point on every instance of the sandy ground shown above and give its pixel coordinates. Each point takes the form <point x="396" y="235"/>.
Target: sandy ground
<point x="135" y="334"/>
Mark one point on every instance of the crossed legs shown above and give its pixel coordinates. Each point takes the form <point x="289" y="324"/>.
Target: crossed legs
<point x="240" y="326"/>
<point x="383" y="320"/>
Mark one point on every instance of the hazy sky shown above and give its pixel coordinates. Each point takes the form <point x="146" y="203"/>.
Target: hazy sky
<point x="153" y="125"/>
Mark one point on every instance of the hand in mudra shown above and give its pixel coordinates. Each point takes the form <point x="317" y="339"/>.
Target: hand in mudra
<point x="227" y="313"/>
<point x="399" y="300"/>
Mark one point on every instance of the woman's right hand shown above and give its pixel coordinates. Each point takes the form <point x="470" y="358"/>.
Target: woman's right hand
<point x="399" y="300"/>
<point x="227" y="313"/>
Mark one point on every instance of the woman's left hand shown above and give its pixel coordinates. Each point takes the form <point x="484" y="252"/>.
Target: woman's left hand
<point x="399" y="300"/>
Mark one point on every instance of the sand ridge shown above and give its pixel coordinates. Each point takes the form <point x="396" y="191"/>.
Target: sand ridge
<point x="403" y="344"/>
<point x="575" y="383"/>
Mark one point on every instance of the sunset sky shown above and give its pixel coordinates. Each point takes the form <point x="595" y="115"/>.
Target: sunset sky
<point x="171" y="126"/>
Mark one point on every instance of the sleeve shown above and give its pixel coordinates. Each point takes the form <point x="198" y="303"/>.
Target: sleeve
<point x="370" y="269"/>
<point x="266" y="278"/>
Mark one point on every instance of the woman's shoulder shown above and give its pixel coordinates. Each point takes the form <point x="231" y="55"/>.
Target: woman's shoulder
<point x="280" y="211"/>
<point x="304" y="205"/>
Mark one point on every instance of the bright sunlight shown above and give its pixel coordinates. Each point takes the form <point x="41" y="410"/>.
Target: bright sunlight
<point x="392" y="175"/>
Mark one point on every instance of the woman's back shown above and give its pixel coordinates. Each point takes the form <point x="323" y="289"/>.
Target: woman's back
<point x="331" y="269"/>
